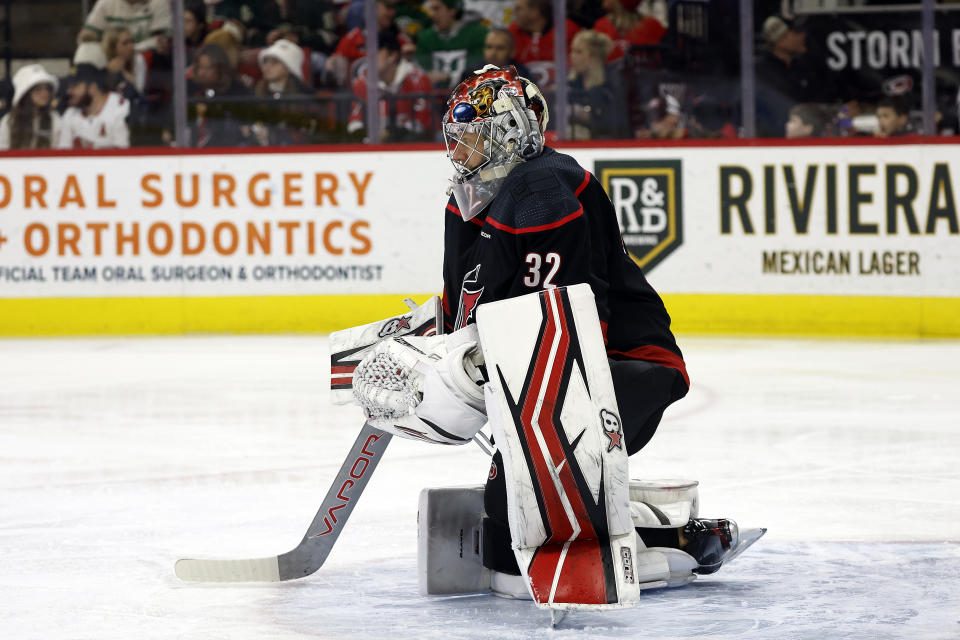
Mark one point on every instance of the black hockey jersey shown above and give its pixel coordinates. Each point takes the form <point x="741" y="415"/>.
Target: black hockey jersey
<point x="552" y="224"/>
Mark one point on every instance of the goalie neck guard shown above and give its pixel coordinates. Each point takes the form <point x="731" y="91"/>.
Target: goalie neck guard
<point x="495" y="119"/>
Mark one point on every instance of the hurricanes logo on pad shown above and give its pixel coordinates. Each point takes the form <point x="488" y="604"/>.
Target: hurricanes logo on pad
<point x="611" y="429"/>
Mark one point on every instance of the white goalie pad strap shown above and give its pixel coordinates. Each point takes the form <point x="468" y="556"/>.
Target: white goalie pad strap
<point x="650" y="516"/>
<point x="552" y="408"/>
<point x="666" y="492"/>
<point x="420" y="388"/>
<point x="349" y="346"/>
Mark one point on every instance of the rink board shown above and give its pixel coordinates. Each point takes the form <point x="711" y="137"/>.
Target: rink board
<point x="691" y="314"/>
<point x="812" y="239"/>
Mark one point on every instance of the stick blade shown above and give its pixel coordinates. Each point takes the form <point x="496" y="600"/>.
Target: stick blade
<point x="250" y="570"/>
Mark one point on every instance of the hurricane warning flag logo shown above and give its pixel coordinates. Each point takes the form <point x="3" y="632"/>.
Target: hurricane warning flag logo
<point x="470" y="294"/>
<point x="647" y="197"/>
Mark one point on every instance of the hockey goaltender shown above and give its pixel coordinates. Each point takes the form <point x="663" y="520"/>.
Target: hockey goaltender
<point x="549" y="333"/>
<point x="552" y="336"/>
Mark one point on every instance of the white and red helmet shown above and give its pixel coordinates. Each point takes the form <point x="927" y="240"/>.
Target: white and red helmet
<point x="509" y="114"/>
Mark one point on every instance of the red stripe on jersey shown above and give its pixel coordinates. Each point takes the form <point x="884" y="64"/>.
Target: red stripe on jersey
<point x="542" y="227"/>
<point x="453" y="209"/>
<point x="583" y="185"/>
<point x="654" y="354"/>
<point x="603" y="329"/>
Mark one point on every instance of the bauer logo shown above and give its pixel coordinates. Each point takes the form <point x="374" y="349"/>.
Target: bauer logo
<point x="647" y="196"/>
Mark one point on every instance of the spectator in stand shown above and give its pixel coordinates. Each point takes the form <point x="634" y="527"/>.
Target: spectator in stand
<point x="665" y="119"/>
<point x="229" y="38"/>
<point x="214" y="75"/>
<point x="194" y="28"/>
<point x="893" y="117"/>
<point x="148" y="21"/>
<point x="596" y="106"/>
<point x="498" y="50"/>
<point x="96" y="118"/>
<point x="807" y="120"/>
<point x="533" y="30"/>
<point x="281" y="66"/>
<point x="125" y="65"/>
<point x="452" y="45"/>
<point x="32" y="123"/>
<point x="400" y="118"/>
<point x="785" y="76"/>
<point x="352" y="46"/>
<point x="628" y="28"/>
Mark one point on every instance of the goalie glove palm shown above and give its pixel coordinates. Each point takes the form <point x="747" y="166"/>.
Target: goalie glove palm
<point x="415" y="388"/>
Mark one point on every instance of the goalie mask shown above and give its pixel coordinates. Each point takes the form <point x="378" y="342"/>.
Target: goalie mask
<point x="495" y="120"/>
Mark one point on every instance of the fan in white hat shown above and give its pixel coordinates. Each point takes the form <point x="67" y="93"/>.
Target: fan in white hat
<point x="281" y="65"/>
<point x="32" y="122"/>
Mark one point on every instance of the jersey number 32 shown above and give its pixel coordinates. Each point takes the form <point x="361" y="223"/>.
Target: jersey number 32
<point x="538" y="263"/>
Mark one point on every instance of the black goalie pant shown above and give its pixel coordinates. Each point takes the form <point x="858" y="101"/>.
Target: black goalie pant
<point x="644" y="391"/>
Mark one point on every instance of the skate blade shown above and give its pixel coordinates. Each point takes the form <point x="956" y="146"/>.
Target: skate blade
<point x="747" y="538"/>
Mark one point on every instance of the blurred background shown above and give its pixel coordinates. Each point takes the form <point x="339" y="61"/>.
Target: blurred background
<point x="248" y="73"/>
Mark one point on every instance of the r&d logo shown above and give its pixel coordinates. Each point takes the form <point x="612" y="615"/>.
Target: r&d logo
<point x="646" y="195"/>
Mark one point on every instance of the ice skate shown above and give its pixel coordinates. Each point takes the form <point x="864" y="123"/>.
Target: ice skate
<point x="715" y="542"/>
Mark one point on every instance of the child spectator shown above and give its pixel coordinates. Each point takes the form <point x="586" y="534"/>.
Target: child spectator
<point x="893" y="117"/>
<point x="146" y="19"/>
<point x="806" y="121"/>
<point x="401" y="119"/>
<point x="281" y="66"/>
<point x="596" y="108"/>
<point x="96" y="118"/>
<point x="452" y="45"/>
<point x="627" y="28"/>
<point x="533" y="30"/>
<point x="125" y="65"/>
<point x="32" y="123"/>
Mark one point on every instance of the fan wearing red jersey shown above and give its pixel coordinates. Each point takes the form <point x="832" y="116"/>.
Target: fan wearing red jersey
<point x="402" y="118"/>
<point x="627" y="28"/>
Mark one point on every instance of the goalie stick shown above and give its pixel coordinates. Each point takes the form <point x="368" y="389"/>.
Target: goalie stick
<point x="312" y="552"/>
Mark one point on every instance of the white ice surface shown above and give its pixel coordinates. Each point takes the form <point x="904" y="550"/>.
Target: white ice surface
<point x="118" y="456"/>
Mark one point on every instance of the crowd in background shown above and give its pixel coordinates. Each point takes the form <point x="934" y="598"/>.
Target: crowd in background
<point x="282" y="72"/>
